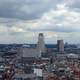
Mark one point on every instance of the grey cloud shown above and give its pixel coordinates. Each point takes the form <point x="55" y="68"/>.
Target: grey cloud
<point x="74" y="5"/>
<point x="57" y="29"/>
<point x="25" y="9"/>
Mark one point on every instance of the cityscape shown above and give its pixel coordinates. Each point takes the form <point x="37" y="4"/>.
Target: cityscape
<point x="39" y="39"/>
<point x="40" y="61"/>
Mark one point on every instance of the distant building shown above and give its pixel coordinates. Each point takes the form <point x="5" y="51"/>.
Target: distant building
<point x="41" y="43"/>
<point x="60" y="45"/>
<point x="30" y="52"/>
<point x="36" y="51"/>
<point x="24" y="77"/>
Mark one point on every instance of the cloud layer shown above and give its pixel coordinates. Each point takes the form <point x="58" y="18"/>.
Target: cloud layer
<point x="21" y="21"/>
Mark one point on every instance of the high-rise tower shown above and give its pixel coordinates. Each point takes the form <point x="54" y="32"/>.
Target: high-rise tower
<point x="41" y="43"/>
<point x="60" y="45"/>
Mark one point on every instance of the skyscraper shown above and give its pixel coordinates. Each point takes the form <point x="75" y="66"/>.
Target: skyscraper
<point x="60" y="45"/>
<point x="41" y="43"/>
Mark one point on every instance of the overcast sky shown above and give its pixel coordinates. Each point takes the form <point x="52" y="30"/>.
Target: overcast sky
<point x="22" y="20"/>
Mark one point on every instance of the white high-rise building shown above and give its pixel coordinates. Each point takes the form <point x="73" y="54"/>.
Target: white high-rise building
<point x="41" y="43"/>
<point x="35" y="51"/>
<point x="60" y="45"/>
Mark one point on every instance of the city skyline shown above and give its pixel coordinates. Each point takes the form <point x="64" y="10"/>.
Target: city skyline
<point x="21" y="21"/>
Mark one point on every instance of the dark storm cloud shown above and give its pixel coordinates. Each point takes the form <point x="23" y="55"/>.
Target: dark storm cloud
<point x="25" y="9"/>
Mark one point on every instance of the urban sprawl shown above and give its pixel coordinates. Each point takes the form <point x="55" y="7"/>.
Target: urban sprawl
<point x="40" y="61"/>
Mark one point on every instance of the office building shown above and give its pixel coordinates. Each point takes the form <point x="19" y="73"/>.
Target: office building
<point x="41" y="43"/>
<point x="60" y="45"/>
